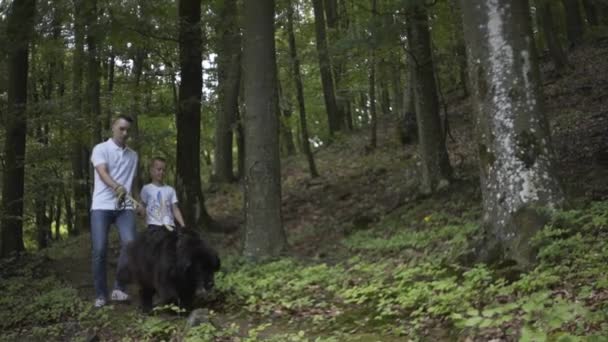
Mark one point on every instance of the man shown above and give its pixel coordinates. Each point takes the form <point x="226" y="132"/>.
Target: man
<point x="115" y="168"/>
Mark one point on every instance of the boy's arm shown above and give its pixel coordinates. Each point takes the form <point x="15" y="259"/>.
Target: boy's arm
<point x="141" y="209"/>
<point x="178" y="215"/>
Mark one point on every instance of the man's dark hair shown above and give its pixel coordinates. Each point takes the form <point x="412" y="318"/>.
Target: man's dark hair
<point x="125" y="117"/>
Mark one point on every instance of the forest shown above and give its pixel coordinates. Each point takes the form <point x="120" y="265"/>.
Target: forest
<point x="365" y="170"/>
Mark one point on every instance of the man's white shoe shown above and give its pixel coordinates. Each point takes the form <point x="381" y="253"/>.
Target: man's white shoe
<point x="99" y="302"/>
<point x="119" y="296"/>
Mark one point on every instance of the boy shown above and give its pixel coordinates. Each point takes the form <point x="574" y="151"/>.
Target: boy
<point x="159" y="199"/>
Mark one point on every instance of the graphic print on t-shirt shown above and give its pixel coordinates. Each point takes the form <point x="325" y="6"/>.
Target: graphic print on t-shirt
<point x="159" y="208"/>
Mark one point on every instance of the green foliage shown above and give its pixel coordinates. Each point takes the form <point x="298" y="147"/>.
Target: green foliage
<point x="280" y="287"/>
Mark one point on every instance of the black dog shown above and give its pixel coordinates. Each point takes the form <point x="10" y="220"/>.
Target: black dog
<point x="171" y="264"/>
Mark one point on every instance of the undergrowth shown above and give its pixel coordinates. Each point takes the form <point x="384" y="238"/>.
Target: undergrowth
<point x="402" y="280"/>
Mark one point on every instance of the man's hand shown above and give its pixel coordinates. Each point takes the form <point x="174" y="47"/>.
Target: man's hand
<point x="120" y="193"/>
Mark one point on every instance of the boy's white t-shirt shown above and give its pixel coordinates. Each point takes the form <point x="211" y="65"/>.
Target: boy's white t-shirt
<point x="159" y="201"/>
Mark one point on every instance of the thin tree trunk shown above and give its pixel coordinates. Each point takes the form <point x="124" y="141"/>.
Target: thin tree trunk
<point x="264" y="235"/>
<point x="240" y="145"/>
<point x="327" y="80"/>
<point x="69" y="214"/>
<point x="19" y="30"/>
<point x="93" y="74"/>
<point x="515" y="153"/>
<point x="545" y="16"/>
<point x="107" y="123"/>
<point x="385" y="99"/>
<point x="372" y="90"/>
<point x="79" y="155"/>
<point x="436" y="169"/>
<point x="58" y="211"/>
<point x="188" y="118"/>
<point x="460" y="49"/>
<point x="574" y="22"/>
<point x="229" y="75"/>
<point x="591" y="12"/>
<point x="297" y="76"/>
<point x="284" y="114"/>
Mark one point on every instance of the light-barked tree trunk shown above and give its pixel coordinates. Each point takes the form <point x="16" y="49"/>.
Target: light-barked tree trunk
<point x="515" y="153"/>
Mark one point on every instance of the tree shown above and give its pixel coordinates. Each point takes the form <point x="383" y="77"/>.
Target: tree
<point x="79" y="153"/>
<point x="188" y="118"/>
<point x="297" y="77"/>
<point x="19" y="31"/>
<point x="591" y="12"/>
<point x="264" y="234"/>
<point x="515" y="154"/>
<point x="545" y="17"/>
<point x="436" y="169"/>
<point x="372" y="85"/>
<point x="574" y="21"/>
<point x="229" y="75"/>
<point x="327" y="79"/>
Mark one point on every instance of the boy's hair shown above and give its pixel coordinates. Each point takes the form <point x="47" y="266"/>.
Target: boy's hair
<point x="157" y="158"/>
<point x="125" y="117"/>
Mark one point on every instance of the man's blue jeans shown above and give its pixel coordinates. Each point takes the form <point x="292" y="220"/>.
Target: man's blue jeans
<point x="101" y="220"/>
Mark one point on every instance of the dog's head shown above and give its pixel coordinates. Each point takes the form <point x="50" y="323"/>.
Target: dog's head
<point x="196" y="259"/>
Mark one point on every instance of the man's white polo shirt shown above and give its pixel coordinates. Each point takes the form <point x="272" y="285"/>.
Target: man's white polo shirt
<point x="121" y="164"/>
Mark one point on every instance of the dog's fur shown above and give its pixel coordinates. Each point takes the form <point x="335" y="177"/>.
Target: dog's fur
<point x="172" y="265"/>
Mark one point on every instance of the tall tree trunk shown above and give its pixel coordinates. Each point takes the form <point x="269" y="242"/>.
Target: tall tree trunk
<point x="545" y="17"/>
<point x="574" y="22"/>
<point x="385" y="98"/>
<point x="460" y="49"/>
<point x="107" y="122"/>
<point x="372" y="90"/>
<point x="515" y="153"/>
<point x="591" y="12"/>
<point x="436" y="169"/>
<point x="297" y="76"/>
<point x="79" y="152"/>
<point x="325" y="68"/>
<point x="284" y="112"/>
<point x="397" y="88"/>
<point x="19" y="27"/>
<point x="93" y="82"/>
<point x="264" y="234"/>
<point x="229" y="75"/>
<point x="240" y="145"/>
<point x="59" y="211"/>
<point x="334" y="20"/>
<point x="69" y="213"/>
<point x="188" y="118"/>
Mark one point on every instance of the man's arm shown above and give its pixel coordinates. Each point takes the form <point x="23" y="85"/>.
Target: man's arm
<point x="102" y="169"/>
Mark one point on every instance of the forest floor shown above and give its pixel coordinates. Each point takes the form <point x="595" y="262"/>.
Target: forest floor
<point x="369" y="258"/>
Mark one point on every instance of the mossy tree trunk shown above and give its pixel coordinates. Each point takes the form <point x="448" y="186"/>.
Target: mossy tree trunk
<point x="264" y="234"/>
<point x="515" y="154"/>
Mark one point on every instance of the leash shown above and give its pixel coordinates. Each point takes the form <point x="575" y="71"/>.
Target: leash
<point x="129" y="200"/>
